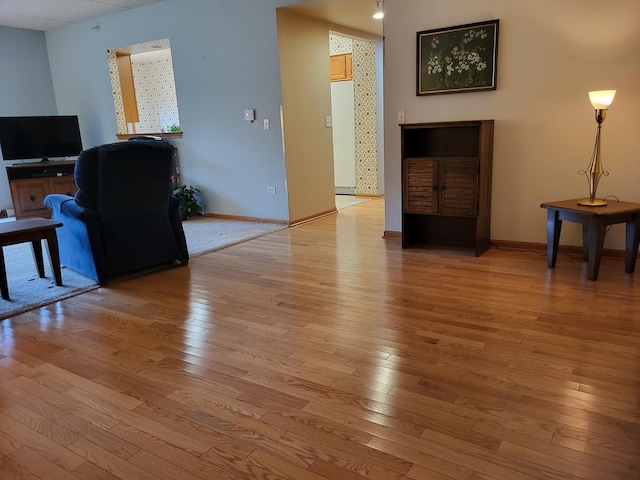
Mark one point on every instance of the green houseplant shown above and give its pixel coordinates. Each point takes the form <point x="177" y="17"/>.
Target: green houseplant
<point x="189" y="201"/>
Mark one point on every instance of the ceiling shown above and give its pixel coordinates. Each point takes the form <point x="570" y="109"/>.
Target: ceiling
<point x="356" y="14"/>
<point x="48" y="14"/>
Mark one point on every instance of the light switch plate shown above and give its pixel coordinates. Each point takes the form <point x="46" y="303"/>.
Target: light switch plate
<point x="249" y="115"/>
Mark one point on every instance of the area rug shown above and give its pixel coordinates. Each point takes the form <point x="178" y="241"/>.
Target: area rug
<point x="208" y="234"/>
<point x="27" y="290"/>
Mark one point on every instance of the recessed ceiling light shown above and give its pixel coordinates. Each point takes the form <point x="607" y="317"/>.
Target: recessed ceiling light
<point x="379" y="13"/>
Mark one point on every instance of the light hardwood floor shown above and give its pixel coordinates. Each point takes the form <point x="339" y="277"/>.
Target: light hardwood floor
<point x="327" y="352"/>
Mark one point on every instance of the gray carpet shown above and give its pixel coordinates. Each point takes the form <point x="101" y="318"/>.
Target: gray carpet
<point x="208" y="234"/>
<point x="27" y="291"/>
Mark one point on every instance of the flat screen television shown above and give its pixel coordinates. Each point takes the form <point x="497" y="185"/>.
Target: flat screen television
<point x="43" y="137"/>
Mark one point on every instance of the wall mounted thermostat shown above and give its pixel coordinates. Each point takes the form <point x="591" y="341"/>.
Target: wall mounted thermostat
<point x="249" y="115"/>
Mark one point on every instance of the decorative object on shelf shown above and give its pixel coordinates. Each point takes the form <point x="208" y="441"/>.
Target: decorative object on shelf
<point x="457" y="59"/>
<point x="7" y="212"/>
<point x="188" y="197"/>
<point x="173" y="128"/>
<point x="600" y="100"/>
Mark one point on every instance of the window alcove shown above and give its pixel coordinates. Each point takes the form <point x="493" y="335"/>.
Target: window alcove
<point x="144" y="92"/>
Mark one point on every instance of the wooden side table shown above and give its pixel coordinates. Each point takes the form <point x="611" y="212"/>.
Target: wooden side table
<point x="32" y="230"/>
<point x="594" y="222"/>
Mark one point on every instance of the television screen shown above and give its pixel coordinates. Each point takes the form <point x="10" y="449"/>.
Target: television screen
<point x="23" y="138"/>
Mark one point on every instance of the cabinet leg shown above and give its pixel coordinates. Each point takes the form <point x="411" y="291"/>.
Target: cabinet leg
<point x="554" y="226"/>
<point x="54" y="255"/>
<point x="36" y="246"/>
<point x="595" y="242"/>
<point x="4" y="288"/>
<point x="631" y="246"/>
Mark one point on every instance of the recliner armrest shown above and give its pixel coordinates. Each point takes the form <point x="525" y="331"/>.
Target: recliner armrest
<point x="67" y="206"/>
<point x="79" y="238"/>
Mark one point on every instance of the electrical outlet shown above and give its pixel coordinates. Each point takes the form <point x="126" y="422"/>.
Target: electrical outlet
<point x="271" y="189"/>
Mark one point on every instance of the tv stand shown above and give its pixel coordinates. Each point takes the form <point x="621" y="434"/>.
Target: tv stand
<point x="31" y="182"/>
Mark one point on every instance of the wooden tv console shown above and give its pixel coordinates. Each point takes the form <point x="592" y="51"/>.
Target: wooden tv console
<point x="31" y="182"/>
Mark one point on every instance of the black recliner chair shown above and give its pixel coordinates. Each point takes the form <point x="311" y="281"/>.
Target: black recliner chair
<point x="124" y="217"/>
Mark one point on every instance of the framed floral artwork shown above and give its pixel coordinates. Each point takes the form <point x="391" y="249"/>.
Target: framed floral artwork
<point x="457" y="59"/>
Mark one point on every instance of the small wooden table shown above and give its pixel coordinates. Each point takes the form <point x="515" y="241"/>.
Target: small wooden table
<point x="32" y="230"/>
<point x="594" y="222"/>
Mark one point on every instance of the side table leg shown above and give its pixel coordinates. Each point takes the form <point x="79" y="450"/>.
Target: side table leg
<point x="595" y="242"/>
<point x="631" y="245"/>
<point x="585" y="242"/>
<point x="4" y="288"/>
<point x="554" y="225"/>
<point x="54" y="255"/>
<point x="36" y="247"/>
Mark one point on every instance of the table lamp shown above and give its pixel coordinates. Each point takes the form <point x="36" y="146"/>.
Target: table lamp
<point x="600" y="100"/>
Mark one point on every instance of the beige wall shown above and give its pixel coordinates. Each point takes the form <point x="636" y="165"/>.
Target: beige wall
<point x="306" y="102"/>
<point x="551" y="53"/>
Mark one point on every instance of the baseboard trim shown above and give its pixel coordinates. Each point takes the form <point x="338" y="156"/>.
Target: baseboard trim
<point x="345" y="190"/>
<point x="246" y="219"/>
<point x="315" y="216"/>
<point x="573" y="250"/>
<point x="391" y="234"/>
<point x="370" y="195"/>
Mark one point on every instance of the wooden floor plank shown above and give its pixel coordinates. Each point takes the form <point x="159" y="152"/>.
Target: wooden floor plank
<point x="323" y="352"/>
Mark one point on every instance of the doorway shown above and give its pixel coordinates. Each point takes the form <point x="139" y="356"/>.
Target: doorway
<point x="355" y="121"/>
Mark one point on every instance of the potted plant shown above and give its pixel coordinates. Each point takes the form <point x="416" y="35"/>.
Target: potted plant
<point x="188" y="197"/>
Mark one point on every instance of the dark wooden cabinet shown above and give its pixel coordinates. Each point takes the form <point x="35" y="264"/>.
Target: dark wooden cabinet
<point x="446" y="184"/>
<point x="30" y="183"/>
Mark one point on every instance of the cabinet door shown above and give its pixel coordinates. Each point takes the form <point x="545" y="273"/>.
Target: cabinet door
<point x="65" y="185"/>
<point x="28" y="197"/>
<point x="127" y="87"/>
<point x="458" y="187"/>
<point x="341" y="67"/>
<point x="420" y="181"/>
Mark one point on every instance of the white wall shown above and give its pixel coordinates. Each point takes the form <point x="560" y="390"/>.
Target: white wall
<point x="344" y="148"/>
<point x="26" y="83"/>
<point x="551" y="54"/>
<point x="225" y="58"/>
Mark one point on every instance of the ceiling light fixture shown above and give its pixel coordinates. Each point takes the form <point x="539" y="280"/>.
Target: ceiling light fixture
<point x="379" y="13"/>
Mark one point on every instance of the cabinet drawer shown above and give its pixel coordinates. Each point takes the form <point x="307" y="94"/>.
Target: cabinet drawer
<point x="65" y="185"/>
<point x="29" y="197"/>
<point x="28" y="194"/>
